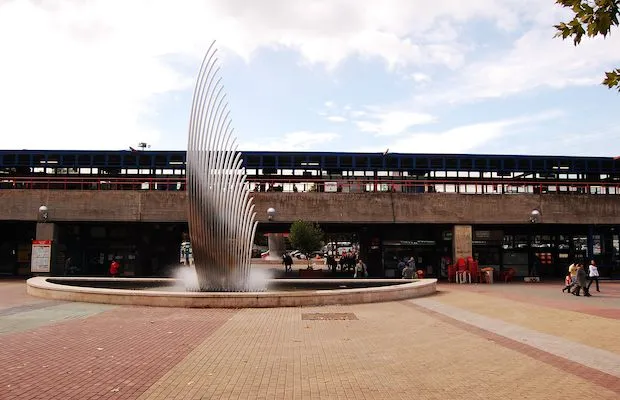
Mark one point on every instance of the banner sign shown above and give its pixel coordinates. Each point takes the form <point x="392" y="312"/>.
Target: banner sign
<point x="41" y="256"/>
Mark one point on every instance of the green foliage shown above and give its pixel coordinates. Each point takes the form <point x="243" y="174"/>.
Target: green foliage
<point x="591" y="18"/>
<point x="306" y="236"/>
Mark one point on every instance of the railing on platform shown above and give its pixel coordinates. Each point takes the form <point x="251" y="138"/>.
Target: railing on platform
<point x="359" y="185"/>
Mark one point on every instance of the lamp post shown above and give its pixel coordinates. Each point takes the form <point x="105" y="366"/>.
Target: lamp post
<point x="43" y="213"/>
<point x="535" y="218"/>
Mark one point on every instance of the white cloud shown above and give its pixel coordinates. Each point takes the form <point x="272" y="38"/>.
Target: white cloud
<point x="464" y="138"/>
<point x="534" y="61"/>
<point x="293" y="141"/>
<point x="84" y="74"/>
<point x="387" y="123"/>
<point x="420" y="77"/>
<point x="336" y="118"/>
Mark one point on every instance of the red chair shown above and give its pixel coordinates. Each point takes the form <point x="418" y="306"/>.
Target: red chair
<point x="462" y="273"/>
<point x="472" y="266"/>
<point x="508" y="275"/>
<point x="451" y="273"/>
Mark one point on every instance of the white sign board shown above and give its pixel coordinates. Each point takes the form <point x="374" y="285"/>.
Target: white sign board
<point x="331" y="187"/>
<point x="41" y="256"/>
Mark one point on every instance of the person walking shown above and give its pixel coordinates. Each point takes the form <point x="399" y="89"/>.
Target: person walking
<point x="581" y="282"/>
<point x="572" y="275"/>
<point x="593" y="275"/>
<point x="287" y="260"/>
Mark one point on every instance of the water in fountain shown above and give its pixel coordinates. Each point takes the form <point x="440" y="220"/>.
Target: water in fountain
<point x="188" y="279"/>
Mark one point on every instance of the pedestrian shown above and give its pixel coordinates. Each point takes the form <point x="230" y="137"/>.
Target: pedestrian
<point x="408" y="272"/>
<point x="401" y="266"/>
<point x="68" y="266"/>
<point x="593" y="275"/>
<point x="581" y="282"/>
<point x="114" y="268"/>
<point x="571" y="278"/>
<point x="360" y="270"/>
<point x="287" y="260"/>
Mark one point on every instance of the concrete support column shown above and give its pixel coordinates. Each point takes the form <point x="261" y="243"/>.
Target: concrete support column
<point x="46" y="231"/>
<point x="277" y="245"/>
<point x="461" y="242"/>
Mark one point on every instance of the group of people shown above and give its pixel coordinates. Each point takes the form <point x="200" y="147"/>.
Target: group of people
<point x="348" y="261"/>
<point x="578" y="279"/>
<point x="406" y="268"/>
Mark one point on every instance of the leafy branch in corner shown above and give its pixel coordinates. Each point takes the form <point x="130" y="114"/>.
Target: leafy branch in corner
<point x="591" y="18"/>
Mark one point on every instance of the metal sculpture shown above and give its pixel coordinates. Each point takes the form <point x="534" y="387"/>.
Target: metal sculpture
<point x="221" y="214"/>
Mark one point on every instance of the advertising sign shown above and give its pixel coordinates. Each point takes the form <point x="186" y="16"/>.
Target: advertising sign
<point x="41" y="256"/>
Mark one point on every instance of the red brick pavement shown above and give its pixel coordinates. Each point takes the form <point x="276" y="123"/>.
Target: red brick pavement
<point x="561" y="301"/>
<point x="114" y="355"/>
<point x="592" y="375"/>
<point x="13" y="293"/>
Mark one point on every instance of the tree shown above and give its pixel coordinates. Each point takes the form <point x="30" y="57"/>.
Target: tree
<point x="306" y="237"/>
<point x="591" y="18"/>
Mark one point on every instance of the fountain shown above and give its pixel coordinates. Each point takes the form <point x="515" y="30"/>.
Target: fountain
<point x="221" y="214"/>
<point x="222" y="226"/>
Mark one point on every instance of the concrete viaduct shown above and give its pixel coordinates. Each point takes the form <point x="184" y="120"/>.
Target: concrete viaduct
<point x="346" y="208"/>
<point x="460" y="210"/>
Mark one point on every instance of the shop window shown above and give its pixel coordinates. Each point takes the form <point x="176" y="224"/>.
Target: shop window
<point x="543" y="241"/>
<point x="597" y="245"/>
<point x="520" y="242"/>
<point x="97" y="232"/>
<point x="563" y="243"/>
<point x="487" y="255"/>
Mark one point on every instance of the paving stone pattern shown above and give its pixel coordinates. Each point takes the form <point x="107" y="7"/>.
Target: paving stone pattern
<point x="468" y="342"/>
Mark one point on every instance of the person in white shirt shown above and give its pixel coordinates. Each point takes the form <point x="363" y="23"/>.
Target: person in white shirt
<point x="593" y="275"/>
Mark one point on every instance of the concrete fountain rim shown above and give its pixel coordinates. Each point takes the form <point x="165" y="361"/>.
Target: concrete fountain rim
<point x="41" y="286"/>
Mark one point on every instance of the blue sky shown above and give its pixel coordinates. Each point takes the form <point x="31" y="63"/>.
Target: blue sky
<point x="483" y="76"/>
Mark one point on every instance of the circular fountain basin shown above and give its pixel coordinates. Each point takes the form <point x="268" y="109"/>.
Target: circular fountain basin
<point x="166" y="292"/>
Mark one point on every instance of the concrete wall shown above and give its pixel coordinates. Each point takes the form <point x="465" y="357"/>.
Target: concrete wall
<point x="161" y="206"/>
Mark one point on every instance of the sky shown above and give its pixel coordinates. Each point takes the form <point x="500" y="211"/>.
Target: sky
<point x="411" y="76"/>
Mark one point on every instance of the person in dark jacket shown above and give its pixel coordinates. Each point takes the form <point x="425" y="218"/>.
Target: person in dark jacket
<point x="581" y="282"/>
<point x="287" y="260"/>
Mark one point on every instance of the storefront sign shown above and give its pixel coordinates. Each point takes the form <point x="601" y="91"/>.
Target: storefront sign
<point x="41" y="256"/>
<point x="489" y="236"/>
<point x="331" y="187"/>
<point x="409" y="243"/>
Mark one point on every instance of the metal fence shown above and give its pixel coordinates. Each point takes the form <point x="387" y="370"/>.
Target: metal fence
<point x="302" y="184"/>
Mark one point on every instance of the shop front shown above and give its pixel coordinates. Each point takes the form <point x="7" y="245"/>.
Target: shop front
<point x="428" y="246"/>
<point x="487" y="247"/>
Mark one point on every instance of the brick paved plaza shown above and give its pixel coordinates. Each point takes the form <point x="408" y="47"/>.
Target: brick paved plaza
<point x="502" y="341"/>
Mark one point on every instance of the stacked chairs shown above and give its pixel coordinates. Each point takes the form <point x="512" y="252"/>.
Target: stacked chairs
<point x="474" y="271"/>
<point x="451" y="273"/>
<point x="462" y="273"/>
